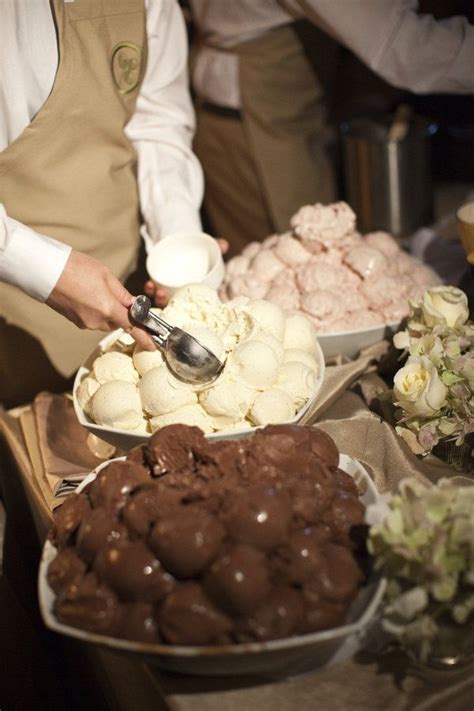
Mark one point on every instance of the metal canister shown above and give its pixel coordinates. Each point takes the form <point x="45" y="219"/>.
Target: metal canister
<point x="388" y="182"/>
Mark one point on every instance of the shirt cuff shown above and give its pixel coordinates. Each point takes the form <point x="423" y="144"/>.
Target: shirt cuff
<point x="175" y="217"/>
<point x="31" y="261"/>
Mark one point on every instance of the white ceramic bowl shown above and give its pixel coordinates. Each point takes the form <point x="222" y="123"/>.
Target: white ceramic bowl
<point x="186" y="258"/>
<point x="350" y="343"/>
<point x="286" y="656"/>
<point x="125" y="440"/>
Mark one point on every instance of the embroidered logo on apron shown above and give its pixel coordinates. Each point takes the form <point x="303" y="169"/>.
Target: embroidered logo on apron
<point x="126" y="66"/>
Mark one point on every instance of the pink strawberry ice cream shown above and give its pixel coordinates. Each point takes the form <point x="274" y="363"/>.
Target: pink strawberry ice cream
<point x="326" y="224"/>
<point x="322" y="305"/>
<point x="323" y="267"/>
<point x="383" y="242"/>
<point x="366" y="261"/>
<point x="291" y="251"/>
<point x="266" y="266"/>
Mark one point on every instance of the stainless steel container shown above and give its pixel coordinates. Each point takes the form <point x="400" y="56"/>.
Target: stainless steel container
<point x="388" y="182"/>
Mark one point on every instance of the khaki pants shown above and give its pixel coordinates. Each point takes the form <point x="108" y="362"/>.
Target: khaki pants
<point x="234" y="198"/>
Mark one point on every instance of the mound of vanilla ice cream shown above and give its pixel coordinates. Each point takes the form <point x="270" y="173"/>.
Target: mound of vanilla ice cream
<point x="325" y="269"/>
<point x="272" y="368"/>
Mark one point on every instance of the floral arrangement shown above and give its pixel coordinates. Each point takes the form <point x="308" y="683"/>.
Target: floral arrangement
<point x="434" y="391"/>
<point x="424" y="545"/>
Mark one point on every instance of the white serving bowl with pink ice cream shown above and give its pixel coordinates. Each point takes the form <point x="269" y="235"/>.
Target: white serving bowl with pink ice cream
<point x="355" y="288"/>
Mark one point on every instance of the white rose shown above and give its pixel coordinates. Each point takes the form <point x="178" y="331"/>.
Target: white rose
<point x="418" y="388"/>
<point x="445" y="305"/>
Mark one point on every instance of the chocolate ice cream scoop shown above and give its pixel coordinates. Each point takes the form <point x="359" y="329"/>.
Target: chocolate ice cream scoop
<point x="345" y="482"/>
<point x="239" y="581"/>
<point x="339" y="577"/>
<point x="321" y="614"/>
<point x="279" y="616"/>
<point x="64" y="569"/>
<point x="323" y="446"/>
<point x="188" y="616"/>
<point x="170" y="449"/>
<point x="90" y="605"/>
<point x="132" y="570"/>
<point x="299" y="559"/>
<point x="68" y="516"/>
<point x="115" y="482"/>
<point x="259" y="516"/>
<point x="188" y="541"/>
<point x="311" y="495"/>
<point x="344" y="512"/>
<point x="139" y="623"/>
<point x="98" y="527"/>
<point x="142" y="510"/>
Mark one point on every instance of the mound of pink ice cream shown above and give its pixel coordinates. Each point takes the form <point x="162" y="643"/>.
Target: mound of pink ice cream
<point x="324" y="268"/>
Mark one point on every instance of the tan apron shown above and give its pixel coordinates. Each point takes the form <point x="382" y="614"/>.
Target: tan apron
<point x="71" y="174"/>
<point x="285" y="117"/>
<point x="284" y="129"/>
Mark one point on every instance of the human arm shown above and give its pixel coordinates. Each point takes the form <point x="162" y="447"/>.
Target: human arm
<point x="78" y="286"/>
<point x="410" y="51"/>
<point x="170" y="181"/>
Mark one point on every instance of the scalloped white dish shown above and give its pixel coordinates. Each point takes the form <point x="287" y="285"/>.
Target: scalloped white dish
<point x="278" y="657"/>
<point x="125" y="440"/>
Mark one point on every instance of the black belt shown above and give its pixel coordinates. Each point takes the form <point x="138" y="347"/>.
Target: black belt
<point x="224" y="111"/>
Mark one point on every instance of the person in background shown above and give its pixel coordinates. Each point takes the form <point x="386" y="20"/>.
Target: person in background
<point x="261" y="110"/>
<point x="96" y="126"/>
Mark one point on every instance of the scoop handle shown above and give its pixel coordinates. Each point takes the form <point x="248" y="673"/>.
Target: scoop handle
<point x="140" y="312"/>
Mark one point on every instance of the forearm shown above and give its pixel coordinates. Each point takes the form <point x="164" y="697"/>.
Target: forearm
<point x="411" y="51"/>
<point x="29" y="260"/>
<point x="170" y="179"/>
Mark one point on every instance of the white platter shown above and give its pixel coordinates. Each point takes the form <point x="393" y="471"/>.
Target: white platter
<point x="280" y="657"/>
<point x="350" y="343"/>
<point x="125" y="440"/>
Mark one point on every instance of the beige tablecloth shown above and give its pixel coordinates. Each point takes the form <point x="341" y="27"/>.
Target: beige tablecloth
<point x="366" y="682"/>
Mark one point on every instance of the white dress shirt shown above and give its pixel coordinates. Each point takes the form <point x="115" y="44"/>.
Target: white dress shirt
<point x="411" y="51"/>
<point x="170" y="179"/>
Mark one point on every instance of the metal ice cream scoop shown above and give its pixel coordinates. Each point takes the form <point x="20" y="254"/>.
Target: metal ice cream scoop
<point x="186" y="357"/>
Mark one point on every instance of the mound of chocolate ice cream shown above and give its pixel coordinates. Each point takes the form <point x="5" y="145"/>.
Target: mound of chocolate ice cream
<point x="194" y="542"/>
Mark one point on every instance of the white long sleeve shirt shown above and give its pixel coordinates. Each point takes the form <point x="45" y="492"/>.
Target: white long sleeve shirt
<point x="410" y="51"/>
<point x="170" y="179"/>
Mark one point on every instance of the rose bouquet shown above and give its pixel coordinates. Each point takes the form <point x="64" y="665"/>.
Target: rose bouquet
<point x="434" y="391"/>
<point x="424" y="546"/>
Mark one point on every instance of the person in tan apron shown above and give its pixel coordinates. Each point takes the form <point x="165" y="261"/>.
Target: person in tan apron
<point x="71" y="174"/>
<point x="262" y="131"/>
<point x="265" y="159"/>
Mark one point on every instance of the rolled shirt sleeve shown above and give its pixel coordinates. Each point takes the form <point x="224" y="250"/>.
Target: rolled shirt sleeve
<point x="170" y="180"/>
<point x="411" y="51"/>
<point x="29" y="260"/>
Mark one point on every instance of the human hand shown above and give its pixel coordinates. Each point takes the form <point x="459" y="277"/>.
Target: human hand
<point x="159" y="295"/>
<point x="90" y="295"/>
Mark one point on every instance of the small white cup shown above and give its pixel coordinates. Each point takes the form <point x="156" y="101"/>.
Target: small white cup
<point x="186" y="258"/>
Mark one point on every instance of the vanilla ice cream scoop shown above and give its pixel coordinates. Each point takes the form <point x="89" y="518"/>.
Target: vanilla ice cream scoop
<point x="269" y="317"/>
<point x="161" y="393"/>
<point x="255" y="363"/>
<point x="227" y="398"/>
<point x="300" y="333"/>
<point x="192" y="415"/>
<point x="114" y="366"/>
<point x="146" y="360"/>
<point x="293" y="354"/>
<point x="298" y="380"/>
<point x="271" y="407"/>
<point x="117" y="404"/>
<point x="85" y="392"/>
